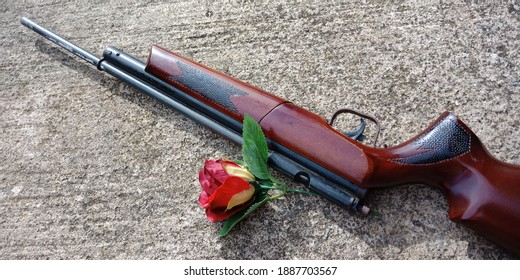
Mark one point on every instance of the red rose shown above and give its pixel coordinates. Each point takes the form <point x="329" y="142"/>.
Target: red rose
<point x="225" y="189"/>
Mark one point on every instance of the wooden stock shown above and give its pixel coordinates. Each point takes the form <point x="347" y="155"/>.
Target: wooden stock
<point x="483" y="192"/>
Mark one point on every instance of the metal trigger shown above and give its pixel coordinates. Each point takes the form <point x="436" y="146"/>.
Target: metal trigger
<point x="357" y="134"/>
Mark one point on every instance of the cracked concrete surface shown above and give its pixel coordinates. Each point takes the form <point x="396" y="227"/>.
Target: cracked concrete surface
<point x="92" y="169"/>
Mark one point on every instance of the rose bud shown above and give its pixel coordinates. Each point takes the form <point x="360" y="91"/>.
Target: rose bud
<point x="225" y="189"/>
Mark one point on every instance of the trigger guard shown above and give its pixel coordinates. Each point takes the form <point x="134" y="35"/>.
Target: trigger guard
<point x="363" y="116"/>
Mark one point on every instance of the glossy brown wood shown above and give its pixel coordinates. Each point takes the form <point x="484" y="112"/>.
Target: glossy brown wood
<point x="211" y="86"/>
<point x="483" y="193"/>
<point x="311" y="136"/>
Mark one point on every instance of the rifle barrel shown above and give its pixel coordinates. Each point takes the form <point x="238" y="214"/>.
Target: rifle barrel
<point x="56" y="39"/>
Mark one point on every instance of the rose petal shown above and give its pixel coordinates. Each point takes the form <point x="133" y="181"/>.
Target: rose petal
<point x="204" y="199"/>
<point x="241" y="197"/>
<point x="239" y="171"/>
<point x="204" y="181"/>
<point x="219" y="200"/>
<point x="224" y="193"/>
<point x="208" y="184"/>
<point x="217" y="215"/>
<point x="228" y="163"/>
<point x="215" y="170"/>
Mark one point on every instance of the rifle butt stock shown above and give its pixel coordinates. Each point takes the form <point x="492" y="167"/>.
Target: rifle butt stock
<point x="483" y="193"/>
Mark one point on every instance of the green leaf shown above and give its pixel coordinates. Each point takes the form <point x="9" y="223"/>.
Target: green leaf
<point x="235" y="219"/>
<point x="254" y="149"/>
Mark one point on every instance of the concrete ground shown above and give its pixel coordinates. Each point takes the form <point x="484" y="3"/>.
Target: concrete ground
<point x="92" y="169"/>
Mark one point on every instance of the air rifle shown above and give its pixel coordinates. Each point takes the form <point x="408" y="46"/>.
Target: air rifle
<point x="483" y="193"/>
